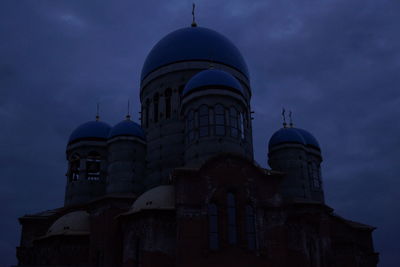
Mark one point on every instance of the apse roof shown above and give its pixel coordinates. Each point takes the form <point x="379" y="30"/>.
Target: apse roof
<point x="158" y="198"/>
<point x="73" y="223"/>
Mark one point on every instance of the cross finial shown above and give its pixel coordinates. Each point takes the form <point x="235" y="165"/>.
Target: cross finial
<point x="97" y="112"/>
<point x="194" y="24"/>
<point x="128" y="115"/>
<point x="284" y="117"/>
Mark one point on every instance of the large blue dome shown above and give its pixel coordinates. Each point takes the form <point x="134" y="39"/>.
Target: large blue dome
<point x="194" y="43"/>
<point x="212" y="77"/>
<point x="90" y="130"/>
<point x="294" y="136"/>
<point x="127" y="128"/>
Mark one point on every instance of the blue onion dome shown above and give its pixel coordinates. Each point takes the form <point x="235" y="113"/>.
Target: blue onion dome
<point x="127" y="128"/>
<point x="212" y="78"/>
<point x="194" y="44"/>
<point x="286" y="135"/>
<point x="293" y="135"/>
<point x="309" y="138"/>
<point x="91" y="130"/>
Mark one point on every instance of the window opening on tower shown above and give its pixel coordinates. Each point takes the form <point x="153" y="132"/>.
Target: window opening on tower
<point x="219" y="112"/>
<point x="168" y="94"/>
<point x="155" y="105"/>
<point x="74" y="168"/>
<point x="234" y="122"/>
<point x="93" y="166"/>
<point x="204" y="121"/>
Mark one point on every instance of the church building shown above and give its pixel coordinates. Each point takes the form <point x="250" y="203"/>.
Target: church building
<point x="182" y="189"/>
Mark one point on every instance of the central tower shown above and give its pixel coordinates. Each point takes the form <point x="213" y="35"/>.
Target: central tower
<point x="170" y="65"/>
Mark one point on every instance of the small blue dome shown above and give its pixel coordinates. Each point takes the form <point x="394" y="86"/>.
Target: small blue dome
<point x="127" y="128"/>
<point x="309" y="138"/>
<point x="212" y="77"/>
<point x="286" y="135"/>
<point x="91" y="129"/>
<point x="293" y="135"/>
<point x="194" y="43"/>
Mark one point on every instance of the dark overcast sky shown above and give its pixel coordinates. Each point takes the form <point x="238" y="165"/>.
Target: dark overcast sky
<point x="335" y="63"/>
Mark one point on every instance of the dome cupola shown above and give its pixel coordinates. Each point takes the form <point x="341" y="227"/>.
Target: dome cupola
<point x="92" y="130"/>
<point x="212" y="78"/>
<point x="127" y="127"/>
<point x="194" y="44"/>
<point x="296" y="153"/>
<point x="126" y="148"/>
<point x="291" y="135"/>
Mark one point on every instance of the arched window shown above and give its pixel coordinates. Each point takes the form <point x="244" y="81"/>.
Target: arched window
<point x="204" y="121"/>
<point x="168" y="94"/>
<point x="315" y="175"/>
<point x="234" y="122"/>
<point x="250" y="228"/>
<point x="75" y="164"/>
<point x="155" y="107"/>
<point x="232" y="228"/>
<point x="93" y="166"/>
<point x="213" y="226"/>
<point x="147" y="109"/>
<point x="190" y="126"/>
<point x="219" y="112"/>
<point x="246" y="119"/>
<point x="242" y="126"/>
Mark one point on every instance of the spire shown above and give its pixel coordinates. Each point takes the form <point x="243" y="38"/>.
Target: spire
<point x="194" y="24"/>
<point x="128" y="114"/>
<point x="97" y="112"/>
<point x="284" y="118"/>
<point x="290" y="119"/>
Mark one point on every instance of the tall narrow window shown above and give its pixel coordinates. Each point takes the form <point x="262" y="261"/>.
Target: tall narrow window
<point x="74" y="168"/>
<point x="190" y="126"/>
<point x="242" y="125"/>
<point x="213" y="226"/>
<point x="234" y="122"/>
<point x="219" y="112"/>
<point x="147" y="109"/>
<point x="168" y="94"/>
<point x="250" y="228"/>
<point x="93" y="166"/>
<point x="155" y="109"/>
<point x="315" y="175"/>
<point x="232" y="229"/>
<point x="204" y="121"/>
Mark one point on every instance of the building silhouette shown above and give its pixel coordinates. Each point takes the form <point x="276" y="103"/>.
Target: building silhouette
<point x="182" y="188"/>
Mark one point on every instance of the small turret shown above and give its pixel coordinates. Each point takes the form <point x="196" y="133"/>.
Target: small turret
<point x="87" y="162"/>
<point x="297" y="153"/>
<point x="126" y="158"/>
